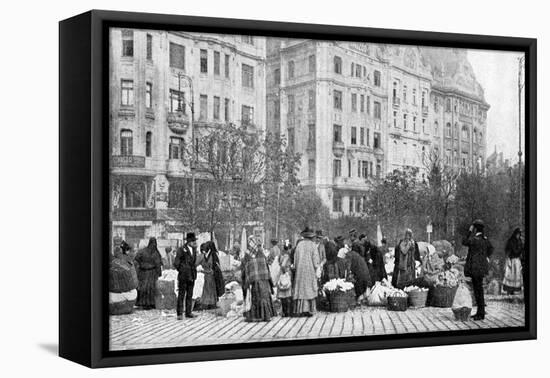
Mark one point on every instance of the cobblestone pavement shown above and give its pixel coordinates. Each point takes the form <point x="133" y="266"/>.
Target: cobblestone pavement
<point x="159" y="329"/>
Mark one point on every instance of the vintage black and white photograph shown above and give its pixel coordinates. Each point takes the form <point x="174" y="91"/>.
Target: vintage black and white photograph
<point x="266" y="189"/>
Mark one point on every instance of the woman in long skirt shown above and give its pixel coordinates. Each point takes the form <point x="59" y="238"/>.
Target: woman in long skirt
<point x="210" y="263"/>
<point x="257" y="284"/>
<point x="148" y="265"/>
<point x="513" y="278"/>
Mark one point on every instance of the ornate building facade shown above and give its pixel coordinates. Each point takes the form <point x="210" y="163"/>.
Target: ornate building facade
<point x="165" y="89"/>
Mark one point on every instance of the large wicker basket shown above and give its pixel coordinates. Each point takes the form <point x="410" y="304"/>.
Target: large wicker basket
<point x="338" y="300"/>
<point x="418" y="298"/>
<point x="442" y="296"/>
<point x="397" y="303"/>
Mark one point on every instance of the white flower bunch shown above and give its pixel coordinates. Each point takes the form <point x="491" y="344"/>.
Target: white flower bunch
<point x="338" y="284"/>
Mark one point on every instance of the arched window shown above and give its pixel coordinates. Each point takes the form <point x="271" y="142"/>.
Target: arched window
<point x="475" y="135"/>
<point x="448" y="130"/>
<point x="134" y="195"/>
<point x="337" y="65"/>
<point x="148" y="141"/>
<point x="126" y="142"/>
<point x="465" y="132"/>
<point x="436" y="128"/>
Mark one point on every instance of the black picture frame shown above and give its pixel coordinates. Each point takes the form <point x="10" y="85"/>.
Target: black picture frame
<point x="84" y="198"/>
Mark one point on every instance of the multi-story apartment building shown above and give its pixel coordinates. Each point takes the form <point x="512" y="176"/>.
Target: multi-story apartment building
<point x="330" y="100"/>
<point x="165" y="88"/>
<point x="459" y="110"/>
<point x="410" y="134"/>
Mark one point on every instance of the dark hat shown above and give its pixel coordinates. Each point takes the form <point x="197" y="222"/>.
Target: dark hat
<point x="274" y="241"/>
<point x="308" y="232"/>
<point x="319" y="233"/>
<point x="339" y="238"/>
<point x="352" y="231"/>
<point x="479" y="223"/>
<point x="190" y="237"/>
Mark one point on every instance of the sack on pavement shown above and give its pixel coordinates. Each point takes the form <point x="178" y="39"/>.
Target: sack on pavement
<point x="463" y="298"/>
<point x="122" y="276"/>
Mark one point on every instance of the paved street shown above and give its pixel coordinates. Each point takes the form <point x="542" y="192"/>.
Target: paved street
<point x="158" y="329"/>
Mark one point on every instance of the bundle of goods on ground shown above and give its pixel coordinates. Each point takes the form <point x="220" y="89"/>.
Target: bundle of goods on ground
<point x="122" y="286"/>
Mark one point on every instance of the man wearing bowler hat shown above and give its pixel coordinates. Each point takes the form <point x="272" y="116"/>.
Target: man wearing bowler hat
<point x="477" y="263"/>
<point x="187" y="273"/>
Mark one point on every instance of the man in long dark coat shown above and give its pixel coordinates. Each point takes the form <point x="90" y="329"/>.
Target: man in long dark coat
<point x="184" y="263"/>
<point x="477" y="263"/>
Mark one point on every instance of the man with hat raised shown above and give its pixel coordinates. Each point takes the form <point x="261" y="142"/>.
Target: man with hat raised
<point x="477" y="263"/>
<point x="187" y="274"/>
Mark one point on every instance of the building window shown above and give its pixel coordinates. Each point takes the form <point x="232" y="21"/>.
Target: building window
<point x="291" y="104"/>
<point x="436" y="128"/>
<point x="311" y="168"/>
<point x="247" y="114"/>
<point x="354" y="102"/>
<point x="203" y="115"/>
<point x="337" y="133"/>
<point x="448" y="105"/>
<point x="362" y="103"/>
<point x="277" y="76"/>
<point x="148" y="142"/>
<point x="362" y="136"/>
<point x="377" y="79"/>
<point x="226" y="110"/>
<point x="336" y="203"/>
<point x="395" y="119"/>
<point x="377" y="110"/>
<point x="226" y="66"/>
<point x="204" y="61"/>
<point x="177" y="101"/>
<point x="364" y="169"/>
<point x="148" y="95"/>
<point x="337" y="100"/>
<point x="216" y="107"/>
<point x="217" y="63"/>
<point x="436" y="105"/>
<point x="357" y="204"/>
<point x="376" y="140"/>
<point x="475" y="135"/>
<point x="291" y="138"/>
<point x="371" y="171"/>
<point x="351" y="204"/>
<point x="368" y="137"/>
<point x="414" y="96"/>
<point x="349" y="167"/>
<point x="337" y="168"/>
<point x="448" y="130"/>
<point x="404" y="122"/>
<point x="456" y="135"/>
<point x="149" y="47"/>
<point x="175" y="148"/>
<point x="311" y="136"/>
<point x="127" y="43"/>
<point x="126" y="143"/>
<point x="311" y="63"/>
<point x="358" y="69"/>
<point x="248" y="39"/>
<point x="248" y="76"/>
<point x="134" y="195"/>
<point x="177" y="56"/>
<point x="354" y="135"/>
<point x="423" y="98"/>
<point x="465" y="134"/>
<point x="352" y="70"/>
<point x="424" y="125"/>
<point x="378" y="168"/>
<point x="337" y="65"/>
<point x="127" y="92"/>
<point x="404" y="93"/>
<point x="276" y="109"/>
<point x="394" y="92"/>
<point x="311" y="99"/>
<point x="290" y="69"/>
<point x="414" y="124"/>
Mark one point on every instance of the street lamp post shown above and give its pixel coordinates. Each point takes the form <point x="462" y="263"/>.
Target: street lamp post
<point x="191" y="103"/>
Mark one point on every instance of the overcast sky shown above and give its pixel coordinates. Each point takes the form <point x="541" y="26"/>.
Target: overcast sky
<point x="497" y="72"/>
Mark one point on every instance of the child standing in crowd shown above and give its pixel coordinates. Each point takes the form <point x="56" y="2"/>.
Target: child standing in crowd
<point x="284" y="283"/>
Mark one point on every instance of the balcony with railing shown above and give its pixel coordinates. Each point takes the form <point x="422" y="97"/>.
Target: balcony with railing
<point x="338" y="148"/>
<point x="178" y="122"/>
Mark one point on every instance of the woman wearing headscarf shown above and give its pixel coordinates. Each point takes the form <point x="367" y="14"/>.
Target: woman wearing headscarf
<point x="213" y="287"/>
<point x="406" y="256"/>
<point x="257" y="284"/>
<point x="306" y="262"/>
<point x="148" y="265"/>
<point x="513" y="279"/>
<point x="335" y="267"/>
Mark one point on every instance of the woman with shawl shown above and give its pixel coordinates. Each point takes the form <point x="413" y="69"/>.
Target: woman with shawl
<point x="513" y="279"/>
<point x="406" y="256"/>
<point x="148" y="265"/>
<point x="257" y="285"/>
<point x="306" y="262"/>
<point x="213" y="287"/>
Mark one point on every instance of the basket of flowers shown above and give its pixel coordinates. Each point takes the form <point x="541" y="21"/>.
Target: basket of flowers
<point x="338" y="293"/>
<point x="443" y="292"/>
<point x="462" y="313"/>
<point x="397" y="300"/>
<point x="418" y="296"/>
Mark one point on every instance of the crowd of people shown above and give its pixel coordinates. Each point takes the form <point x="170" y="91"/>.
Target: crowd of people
<point x="296" y="274"/>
